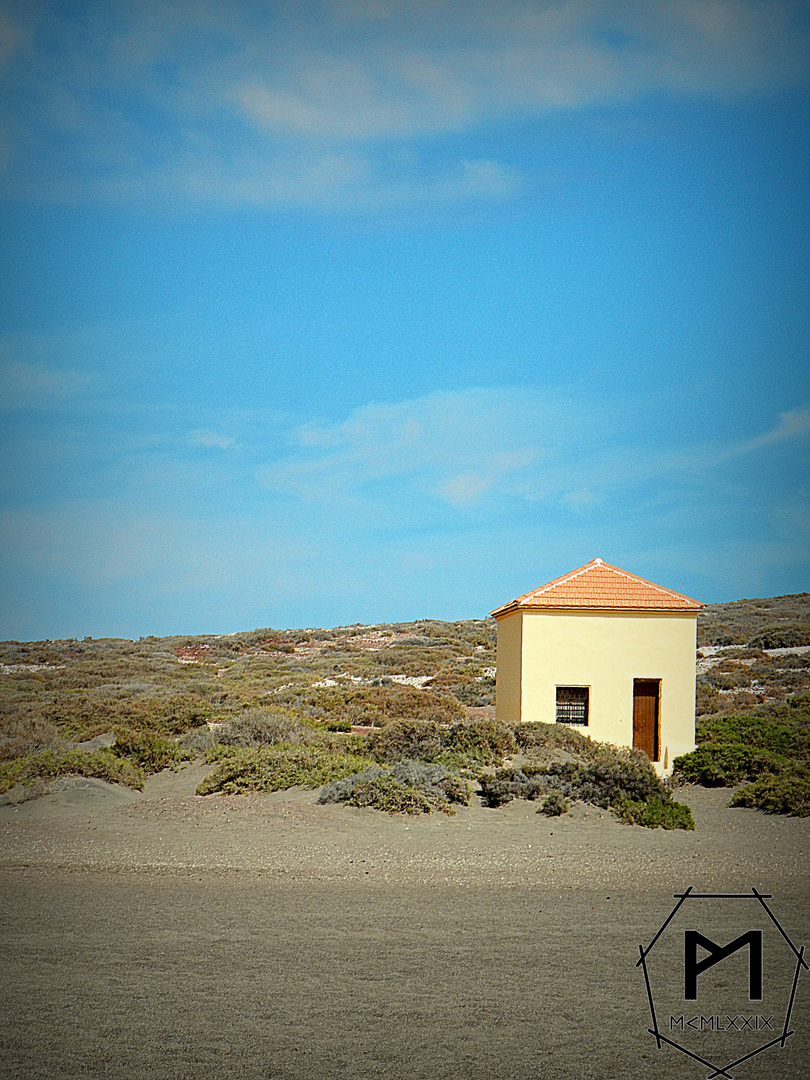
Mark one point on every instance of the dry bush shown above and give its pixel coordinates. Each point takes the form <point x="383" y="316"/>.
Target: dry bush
<point x="199" y="740"/>
<point x="264" y="727"/>
<point x="21" y="735"/>
<point x="275" y="768"/>
<point x="782" y="637"/>
<point x="410" y="787"/>
<point x="415" y="739"/>
<point x="707" y="700"/>
<point x="743" y="621"/>
<point x="465" y="743"/>
<point x="149" y="751"/>
<point x="371" y="706"/>
<point x="728" y="676"/>
<point x="627" y="786"/>
<point x="83" y="717"/>
<point x="555" y="742"/>
<point x="472" y="691"/>
<point x="103" y="763"/>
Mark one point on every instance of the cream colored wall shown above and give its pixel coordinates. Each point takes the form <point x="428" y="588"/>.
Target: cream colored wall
<point x="507" y="680"/>
<point x="606" y="652"/>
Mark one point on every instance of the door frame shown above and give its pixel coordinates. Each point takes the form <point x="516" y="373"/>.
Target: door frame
<point x="656" y="755"/>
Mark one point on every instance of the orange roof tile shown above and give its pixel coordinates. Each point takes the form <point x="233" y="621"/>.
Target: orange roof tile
<point x="599" y="585"/>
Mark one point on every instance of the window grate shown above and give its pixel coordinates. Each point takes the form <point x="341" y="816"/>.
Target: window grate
<point x="572" y="705"/>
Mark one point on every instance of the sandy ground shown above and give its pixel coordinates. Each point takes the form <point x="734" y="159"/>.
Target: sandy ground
<point x="163" y="935"/>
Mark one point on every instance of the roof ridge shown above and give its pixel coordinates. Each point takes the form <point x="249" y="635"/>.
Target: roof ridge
<point x="565" y="578"/>
<point x="562" y="593"/>
<point x="653" y="585"/>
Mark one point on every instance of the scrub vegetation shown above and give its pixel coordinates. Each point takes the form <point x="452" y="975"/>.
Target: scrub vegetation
<point x="410" y="787"/>
<point x="753" y="704"/>
<point x="267" y="709"/>
<point x="766" y="751"/>
<point x="609" y="777"/>
<point x="771" y="623"/>
<point x="398" y="717"/>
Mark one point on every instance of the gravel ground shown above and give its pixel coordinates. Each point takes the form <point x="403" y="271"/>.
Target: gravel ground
<point x="164" y="935"/>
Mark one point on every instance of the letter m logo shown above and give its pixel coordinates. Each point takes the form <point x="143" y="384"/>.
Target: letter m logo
<point x="692" y="967"/>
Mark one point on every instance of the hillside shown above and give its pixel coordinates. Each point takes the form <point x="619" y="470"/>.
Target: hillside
<point x="753" y="653"/>
<point x="352" y="708"/>
<point x="771" y="623"/>
<point x="51" y="691"/>
<point x="76" y="690"/>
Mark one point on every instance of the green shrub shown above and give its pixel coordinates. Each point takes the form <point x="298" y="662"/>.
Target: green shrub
<point x="785" y="794"/>
<point x="554" y="806"/>
<point x="484" y="741"/>
<point x="607" y="784"/>
<point x="436" y="781"/>
<point x="782" y="637"/>
<point x="769" y="752"/>
<point x="734" y="749"/>
<point x="338" y="725"/>
<point x="103" y="764"/>
<point x="529" y="782"/>
<point x="782" y="733"/>
<point x="653" y="813"/>
<point x="409" y="787"/>
<point x="548" y="740"/>
<point x="383" y="792"/>
<point x="149" y="751"/>
<point x="264" y="727"/>
<point x="274" y="768"/>
<point x="461" y="743"/>
<point x="726" y="764"/>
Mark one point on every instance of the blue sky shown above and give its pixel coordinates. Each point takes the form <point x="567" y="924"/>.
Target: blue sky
<point x="369" y="311"/>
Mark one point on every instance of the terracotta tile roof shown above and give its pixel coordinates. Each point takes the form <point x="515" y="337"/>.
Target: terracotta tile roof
<point x="599" y="585"/>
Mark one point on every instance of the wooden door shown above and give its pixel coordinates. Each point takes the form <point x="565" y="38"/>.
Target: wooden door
<point x="646" y="695"/>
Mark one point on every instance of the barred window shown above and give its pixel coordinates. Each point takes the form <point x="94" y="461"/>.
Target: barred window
<point x="572" y="705"/>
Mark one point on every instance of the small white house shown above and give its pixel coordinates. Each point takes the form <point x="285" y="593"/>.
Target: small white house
<point x="604" y="651"/>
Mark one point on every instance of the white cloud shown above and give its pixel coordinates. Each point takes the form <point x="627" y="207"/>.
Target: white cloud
<point x="458" y="448"/>
<point x="792" y="425"/>
<point x="29" y="385"/>
<point x="210" y="439"/>
<point x="446" y="67"/>
<point x="396" y="509"/>
<point x="337" y="180"/>
<point x="464" y="449"/>
<point x="290" y="105"/>
<point x="468" y="488"/>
